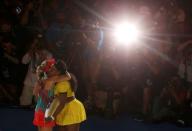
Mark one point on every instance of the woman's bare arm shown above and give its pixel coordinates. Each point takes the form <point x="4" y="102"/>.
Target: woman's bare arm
<point x="55" y="79"/>
<point x="60" y="78"/>
<point x="62" y="97"/>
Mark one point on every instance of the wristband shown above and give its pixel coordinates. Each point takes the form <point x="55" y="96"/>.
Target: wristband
<point x="52" y="118"/>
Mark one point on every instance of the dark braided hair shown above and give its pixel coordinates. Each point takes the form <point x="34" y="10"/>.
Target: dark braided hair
<point x="62" y="67"/>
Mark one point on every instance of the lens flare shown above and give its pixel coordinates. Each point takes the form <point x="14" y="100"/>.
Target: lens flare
<point x="126" y="32"/>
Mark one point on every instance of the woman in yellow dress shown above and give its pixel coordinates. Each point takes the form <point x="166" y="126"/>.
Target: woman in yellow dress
<point x="68" y="115"/>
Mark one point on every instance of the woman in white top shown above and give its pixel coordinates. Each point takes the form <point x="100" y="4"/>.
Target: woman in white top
<point x="33" y="57"/>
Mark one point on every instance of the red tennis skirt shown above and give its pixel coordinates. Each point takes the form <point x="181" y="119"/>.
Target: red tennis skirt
<point x="40" y="121"/>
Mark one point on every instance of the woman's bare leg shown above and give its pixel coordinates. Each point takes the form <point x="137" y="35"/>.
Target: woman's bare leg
<point x="62" y="128"/>
<point x="45" y="128"/>
<point x="74" y="127"/>
<point x="39" y="128"/>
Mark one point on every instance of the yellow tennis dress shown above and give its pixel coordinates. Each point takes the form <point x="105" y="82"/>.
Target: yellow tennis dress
<point x="74" y="111"/>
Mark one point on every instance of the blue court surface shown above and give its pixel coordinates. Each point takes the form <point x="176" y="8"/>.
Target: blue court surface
<point x="15" y="119"/>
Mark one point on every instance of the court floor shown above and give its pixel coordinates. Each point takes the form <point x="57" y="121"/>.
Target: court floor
<point x="15" y="119"/>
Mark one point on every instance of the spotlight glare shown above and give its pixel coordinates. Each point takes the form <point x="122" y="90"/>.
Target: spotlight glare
<point x="126" y="33"/>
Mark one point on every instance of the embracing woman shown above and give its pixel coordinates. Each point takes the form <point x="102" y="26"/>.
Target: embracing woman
<point x="60" y="87"/>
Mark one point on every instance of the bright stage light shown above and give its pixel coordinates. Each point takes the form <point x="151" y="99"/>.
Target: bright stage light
<point x="126" y="33"/>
